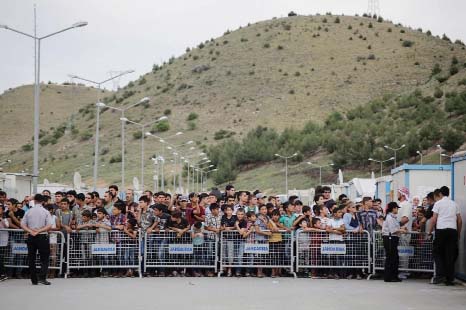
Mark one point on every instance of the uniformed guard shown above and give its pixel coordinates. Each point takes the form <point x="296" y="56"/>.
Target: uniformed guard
<point x="37" y="222"/>
<point x="391" y="235"/>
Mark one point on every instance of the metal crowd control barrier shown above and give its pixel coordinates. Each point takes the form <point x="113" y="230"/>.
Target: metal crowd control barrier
<point x="14" y="251"/>
<point x="255" y="251"/>
<point x="316" y="249"/>
<point x="414" y="250"/>
<point x="91" y="249"/>
<point x="165" y="249"/>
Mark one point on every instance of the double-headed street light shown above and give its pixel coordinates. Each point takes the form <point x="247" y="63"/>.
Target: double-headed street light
<point x="123" y="122"/>
<point x="143" y="127"/>
<point x="286" y="169"/>
<point x="37" y="42"/>
<point x="320" y="169"/>
<point x="381" y="163"/>
<point x="394" y="150"/>
<point x="99" y="105"/>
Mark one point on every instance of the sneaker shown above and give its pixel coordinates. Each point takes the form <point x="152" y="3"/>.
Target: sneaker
<point x="247" y="274"/>
<point x="3" y="278"/>
<point x="358" y="277"/>
<point x="336" y="277"/>
<point x="402" y="276"/>
<point x="175" y="273"/>
<point x="349" y="277"/>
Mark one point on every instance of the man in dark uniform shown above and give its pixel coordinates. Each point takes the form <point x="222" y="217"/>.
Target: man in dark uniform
<point x="37" y="222"/>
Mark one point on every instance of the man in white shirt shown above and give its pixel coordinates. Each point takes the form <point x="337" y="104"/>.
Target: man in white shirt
<point x="447" y="222"/>
<point x="405" y="217"/>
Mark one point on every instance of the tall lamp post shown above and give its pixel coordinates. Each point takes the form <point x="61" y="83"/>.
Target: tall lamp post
<point x="445" y="155"/>
<point x="97" y="126"/>
<point x="420" y="154"/>
<point x="123" y="122"/>
<point x="143" y="126"/>
<point x="37" y="42"/>
<point x="161" y="157"/>
<point x="394" y="150"/>
<point x="286" y="169"/>
<point x="381" y="162"/>
<point x="440" y="153"/>
<point x="320" y="169"/>
<point x="203" y="181"/>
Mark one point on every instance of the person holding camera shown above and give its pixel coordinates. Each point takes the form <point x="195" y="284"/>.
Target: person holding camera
<point x="391" y="231"/>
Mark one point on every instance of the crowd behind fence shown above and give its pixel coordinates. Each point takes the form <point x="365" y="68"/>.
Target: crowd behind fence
<point x="86" y="251"/>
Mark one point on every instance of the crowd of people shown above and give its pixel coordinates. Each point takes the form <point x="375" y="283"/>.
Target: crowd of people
<point x="243" y="211"/>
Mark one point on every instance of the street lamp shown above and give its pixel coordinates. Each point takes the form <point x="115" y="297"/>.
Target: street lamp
<point x="99" y="105"/>
<point x="123" y="122"/>
<point x="286" y="169"/>
<point x="445" y="155"/>
<point x="143" y="126"/>
<point x="162" y="159"/>
<point x="203" y="180"/>
<point x="394" y="150"/>
<point x="37" y="42"/>
<point x="440" y="155"/>
<point x="320" y="169"/>
<point x="420" y="154"/>
<point x="381" y="163"/>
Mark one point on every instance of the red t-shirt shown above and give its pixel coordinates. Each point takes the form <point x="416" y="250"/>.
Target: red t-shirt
<point x="190" y="215"/>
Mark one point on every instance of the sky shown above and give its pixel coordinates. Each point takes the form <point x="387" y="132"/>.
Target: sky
<point x="135" y="34"/>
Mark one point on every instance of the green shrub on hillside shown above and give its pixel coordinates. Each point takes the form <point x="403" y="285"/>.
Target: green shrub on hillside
<point x="407" y="43"/>
<point x="160" y="126"/>
<point x="192" y="116"/>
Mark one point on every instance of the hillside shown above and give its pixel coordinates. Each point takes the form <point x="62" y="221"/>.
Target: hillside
<point x="278" y="73"/>
<point x="57" y="105"/>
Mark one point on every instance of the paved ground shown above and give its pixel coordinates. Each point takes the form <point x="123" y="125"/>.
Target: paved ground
<point x="229" y="293"/>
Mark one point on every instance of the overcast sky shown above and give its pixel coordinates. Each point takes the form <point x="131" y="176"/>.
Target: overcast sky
<point x="134" y="34"/>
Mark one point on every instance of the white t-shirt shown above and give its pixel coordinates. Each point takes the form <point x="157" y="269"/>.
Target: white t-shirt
<point x="406" y="210"/>
<point x="334" y="223"/>
<point x="447" y="210"/>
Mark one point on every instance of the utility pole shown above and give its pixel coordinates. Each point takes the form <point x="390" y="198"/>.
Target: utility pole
<point x="373" y="8"/>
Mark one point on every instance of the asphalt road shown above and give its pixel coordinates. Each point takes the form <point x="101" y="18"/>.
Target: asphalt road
<point x="229" y="293"/>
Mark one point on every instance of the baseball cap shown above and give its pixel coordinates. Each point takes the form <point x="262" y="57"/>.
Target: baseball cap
<point x="183" y="198"/>
<point x="260" y="196"/>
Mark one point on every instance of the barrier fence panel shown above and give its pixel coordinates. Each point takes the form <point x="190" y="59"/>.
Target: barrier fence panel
<point x="90" y="249"/>
<point x="166" y="249"/>
<point x="319" y="249"/>
<point x="256" y="251"/>
<point x="414" y="250"/>
<point x="14" y="251"/>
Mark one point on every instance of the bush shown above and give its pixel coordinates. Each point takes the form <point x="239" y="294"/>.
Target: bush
<point x="192" y="116"/>
<point x="438" y="93"/>
<point x="266" y="45"/>
<point x="445" y="38"/>
<point x="86" y="136"/>
<point x="280" y="47"/>
<point x="370" y="25"/>
<point x="192" y="125"/>
<point x="380" y="19"/>
<point x="167" y="112"/>
<point x="161" y="126"/>
<point x="27" y="147"/>
<point x="324" y="20"/>
<point x="436" y="69"/>
<point x="442" y="78"/>
<point x="371" y="57"/>
<point x="453" y="70"/>
<point x="142" y="81"/>
<point x="115" y="159"/>
<point x="407" y="43"/>
<point x="337" y="20"/>
<point x="350" y="27"/>
<point x="137" y="135"/>
<point x="454" y="60"/>
<point x="389" y="30"/>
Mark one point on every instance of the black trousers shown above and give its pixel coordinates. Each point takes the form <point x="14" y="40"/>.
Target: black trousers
<point x="38" y="243"/>
<point x="445" y="252"/>
<point x="392" y="260"/>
